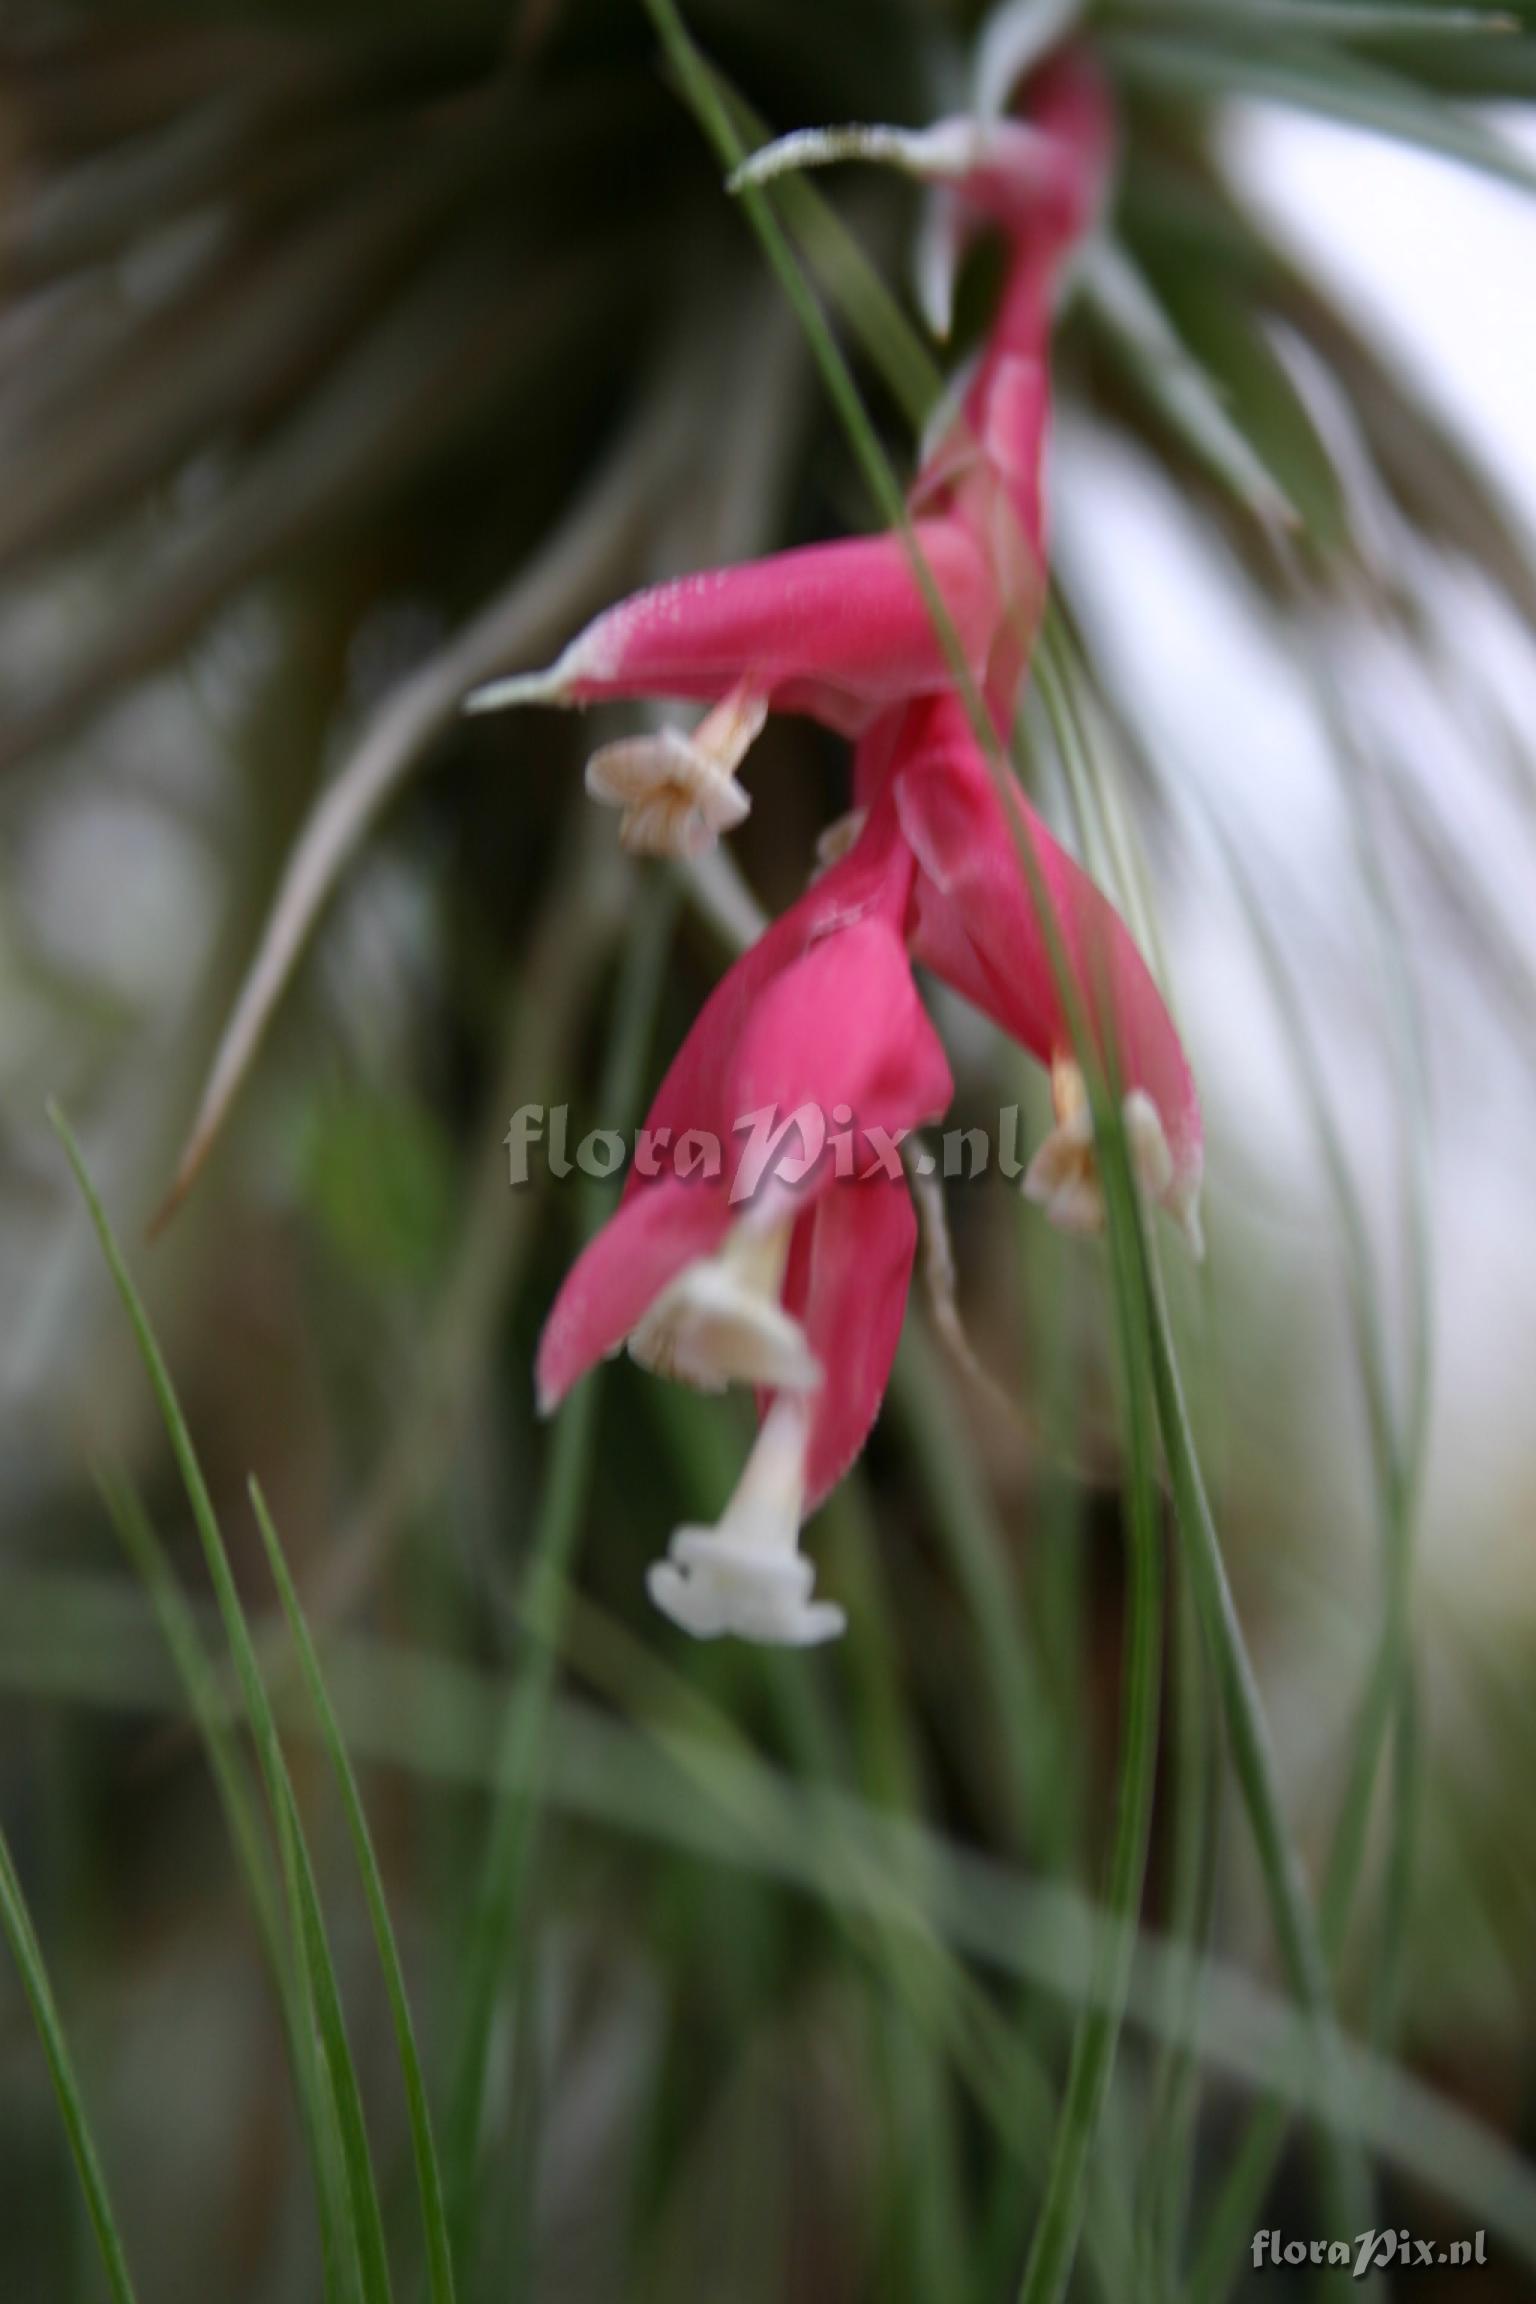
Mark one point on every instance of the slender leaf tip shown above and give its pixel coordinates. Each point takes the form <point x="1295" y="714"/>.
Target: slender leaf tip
<point x="546" y="687"/>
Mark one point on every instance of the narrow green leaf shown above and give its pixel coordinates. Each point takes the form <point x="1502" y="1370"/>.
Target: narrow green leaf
<point x="1175" y="2092"/>
<point x="880" y="1898"/>
<point x="1295" y="1924"/>
<point x="408" y="1708"/>
<point x="503" y="1887"/>
<point x="1334" y="86"/>
<point x="958" y="1498"/>
<point x="1049" y="2269"/>
<point x="318" y="1972"/>
<point x="1294" y="1921"/>
<point x="1128" y="315"/>
<point x="429" y="2183"/>
<point x="242" y="1815"/>
<point x="238" y="1796"/>
<point x="311" y="1948"/>
<point x="1397" y="1444"/>
<point x="27" y="1953"/>
<point x="1328" y="19"/>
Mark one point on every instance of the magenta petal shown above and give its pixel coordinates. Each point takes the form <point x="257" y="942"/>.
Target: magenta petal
<point x="621" y="1272"/>
<point x="847" y="1285"/>
<point x="834" y="630"/>
<point x="975" y="924"/>
<point x="705" y="1083"/>
<point x="694" y="1091"/>
<point x="844" y="1033"/>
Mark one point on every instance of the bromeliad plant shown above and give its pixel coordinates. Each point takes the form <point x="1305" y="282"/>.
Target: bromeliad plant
<point x="795" y="1280"/>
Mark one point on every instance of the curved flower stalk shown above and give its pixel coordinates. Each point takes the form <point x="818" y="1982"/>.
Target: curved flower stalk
<point x="785" y="1264"/>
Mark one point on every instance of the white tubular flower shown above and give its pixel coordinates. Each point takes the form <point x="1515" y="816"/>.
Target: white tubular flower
<point x="1063" y="1177"/>
<point x="721" y="1321"/>
<point x="747" y="1574"/>
<point x="679" y="792"/>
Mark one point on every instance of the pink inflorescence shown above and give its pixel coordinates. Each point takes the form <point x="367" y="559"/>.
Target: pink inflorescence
<point x="795" y="1283"/>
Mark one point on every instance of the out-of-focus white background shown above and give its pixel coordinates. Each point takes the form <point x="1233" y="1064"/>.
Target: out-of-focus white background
<point x="1438" y="263"/>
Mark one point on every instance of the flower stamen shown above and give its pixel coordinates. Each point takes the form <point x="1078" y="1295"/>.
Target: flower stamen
<point x="1063" y="1177"/>
<point x="678" y="792"/>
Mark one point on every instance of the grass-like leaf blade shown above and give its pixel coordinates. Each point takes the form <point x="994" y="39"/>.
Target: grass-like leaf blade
<point x="16" y="1922"/>
<point x="312" y="1950"/>
<point x="424" y="2149"/>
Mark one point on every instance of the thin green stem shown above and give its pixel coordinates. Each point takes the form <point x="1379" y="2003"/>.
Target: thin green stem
<point x="1194" y="1811"/>
<point x="1055" y="2240"/>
